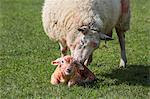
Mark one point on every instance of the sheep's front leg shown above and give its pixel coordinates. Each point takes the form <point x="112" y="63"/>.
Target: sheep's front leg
<point x="121" y="38"/>
<point x="88" y="61"/>
<point x="63" y="49"/>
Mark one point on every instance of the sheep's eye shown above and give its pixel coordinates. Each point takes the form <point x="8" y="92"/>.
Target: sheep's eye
<point x="81" y="42"/>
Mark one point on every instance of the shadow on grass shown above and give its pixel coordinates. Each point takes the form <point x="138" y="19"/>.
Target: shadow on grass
<point x="131" y="75"/>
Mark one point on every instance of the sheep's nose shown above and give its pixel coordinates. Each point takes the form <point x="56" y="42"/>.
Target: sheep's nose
<point x="68" y="70"/>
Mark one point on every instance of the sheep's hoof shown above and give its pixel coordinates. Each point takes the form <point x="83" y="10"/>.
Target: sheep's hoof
<point x="122" y="63"/>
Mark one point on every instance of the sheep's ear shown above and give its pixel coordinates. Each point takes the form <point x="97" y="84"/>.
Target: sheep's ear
<point x="83" y="29"/>
<point x="56" y="62"/>
<point x="104" y="37"/>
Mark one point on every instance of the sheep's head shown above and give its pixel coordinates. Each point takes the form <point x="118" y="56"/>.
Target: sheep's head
<point x="67" y="65"/>
<point x="87" y="41"/>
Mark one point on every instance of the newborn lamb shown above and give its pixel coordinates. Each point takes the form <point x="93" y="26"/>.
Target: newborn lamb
<point x="70" y="72"/>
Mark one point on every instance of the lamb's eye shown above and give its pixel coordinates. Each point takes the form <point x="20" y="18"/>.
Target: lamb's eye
<point x="62" y="61"/>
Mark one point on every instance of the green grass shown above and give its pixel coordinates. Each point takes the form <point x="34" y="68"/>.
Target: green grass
<point x="26" y="53"/>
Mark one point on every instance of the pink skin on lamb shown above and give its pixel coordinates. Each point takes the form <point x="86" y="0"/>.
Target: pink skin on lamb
<point x="70" y="72"/>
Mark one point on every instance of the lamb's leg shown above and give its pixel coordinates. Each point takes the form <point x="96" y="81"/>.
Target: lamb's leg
<point x="71" y="82"/>
<point x="88" y="61"/>
<point x="63" y="49"/>
<point x="121" y="38"/>
<point x="54" y="81"/>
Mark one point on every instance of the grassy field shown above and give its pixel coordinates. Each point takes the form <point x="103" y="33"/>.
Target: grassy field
<point x="26" y="53"/>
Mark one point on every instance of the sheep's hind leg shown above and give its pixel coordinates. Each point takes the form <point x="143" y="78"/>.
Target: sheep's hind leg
<point x="121" y="38"/>
<point x="122" y="26"/>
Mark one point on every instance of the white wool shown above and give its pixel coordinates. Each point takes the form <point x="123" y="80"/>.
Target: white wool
<point x="60" y="17"/>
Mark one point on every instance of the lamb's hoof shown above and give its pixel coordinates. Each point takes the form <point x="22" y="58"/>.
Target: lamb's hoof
<point x="122" y="64"/>
<point x="71" y="83"/>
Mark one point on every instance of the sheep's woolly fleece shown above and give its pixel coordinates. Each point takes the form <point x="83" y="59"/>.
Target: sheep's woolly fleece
<point x="61" y="17"/>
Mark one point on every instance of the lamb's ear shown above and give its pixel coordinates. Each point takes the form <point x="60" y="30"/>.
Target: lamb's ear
<point x="83" y="29"/>
<point x="104" y="36"/>
<point x="56" y="62"/>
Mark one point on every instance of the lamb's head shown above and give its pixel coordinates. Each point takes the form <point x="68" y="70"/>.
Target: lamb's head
<point x="67" y="65"/>
<point x="87" y="41"/>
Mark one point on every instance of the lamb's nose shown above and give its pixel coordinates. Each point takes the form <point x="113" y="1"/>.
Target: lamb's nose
<point x="68" y="70"/>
